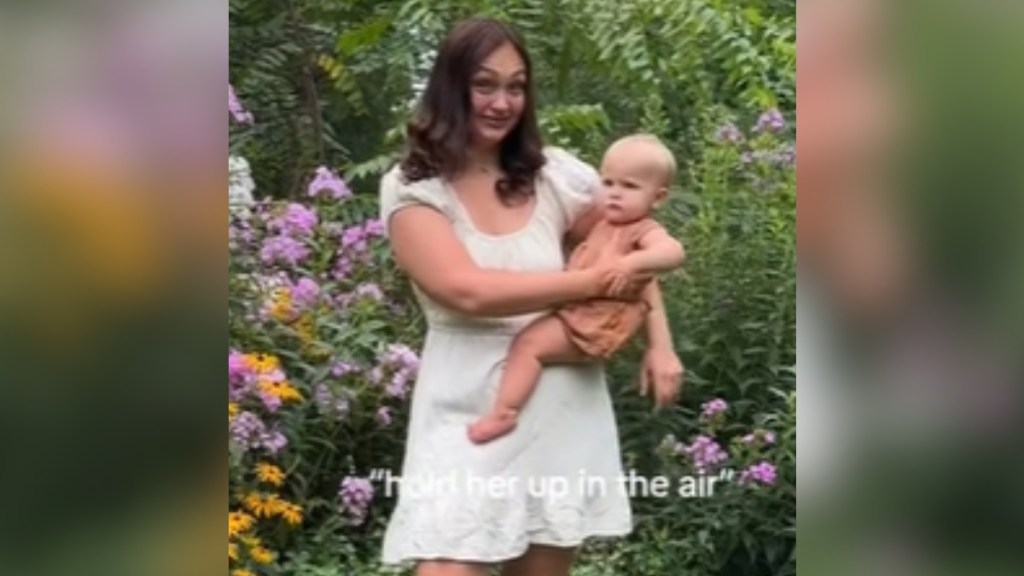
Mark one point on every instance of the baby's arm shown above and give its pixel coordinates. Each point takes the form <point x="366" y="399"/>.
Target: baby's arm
<point x="657" y="252"/>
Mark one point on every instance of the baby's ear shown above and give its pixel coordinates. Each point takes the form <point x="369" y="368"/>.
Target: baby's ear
<point x="660" y="196"/>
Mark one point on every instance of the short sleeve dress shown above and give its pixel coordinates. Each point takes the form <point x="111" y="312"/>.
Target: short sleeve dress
<point x="555" y="479"/>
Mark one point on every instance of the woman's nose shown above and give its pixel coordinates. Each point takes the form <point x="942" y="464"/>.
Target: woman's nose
<point x="500" y="101"/>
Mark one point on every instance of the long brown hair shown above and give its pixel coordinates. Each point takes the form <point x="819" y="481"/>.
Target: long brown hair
<point x="439" y="134"/>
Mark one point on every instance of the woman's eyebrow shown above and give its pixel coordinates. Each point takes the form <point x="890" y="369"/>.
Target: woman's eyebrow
<point x="521" y="71"/>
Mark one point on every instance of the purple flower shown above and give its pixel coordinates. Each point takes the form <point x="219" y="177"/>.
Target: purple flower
<point x="401" y="355"/>
<point x="237" y="368"/>
<point x="305" y="293"/>
<point x="327" y="179"/>
<point x="236" y="109"/>
<point x="398" y="387"/>
<point x="403" y="365"/>
<point x="369" y="290"/>
<point x="297" y="221"/>
<point x="705" y="453"/>
<point x="250" y="433"/>
<point x="342" y="368"/>
<point x="240" y="377"/>
<point x="376" y="375"/>
<point x="729" y="133"/>
<point x="354" y="237"/>
<point x="785" y="156"/>
<point x="374" y="227"/>
<point x="765" y="436"/>
<point x="283" y="249"/>
<point x="355" y="495"/>
<point x="274" y="441"/>
<point x="770" y="121"/>
<point x="384" y="416"/>
<point x="330" y="405"/>
<point x="763" y="472"/>
<point x="270" y="401"/>
<point x="342" y="269"/>
<point x="246" y="430"/>
<point x="779" y="157"/>
<point x="711" y="408"/>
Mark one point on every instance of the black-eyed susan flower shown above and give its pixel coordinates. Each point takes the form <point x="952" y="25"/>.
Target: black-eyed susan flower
<point x="281" y="390"/>
<point x="292" y="514"/>
<point x="275" y="506"/>
<point x="259" y="506"/>
<point x="238" y="522"/>
<point x="262" y="363"/>
<point x="261" y="555"/>
<point x="233" y="551"/>
<point x="269" y="473"/>
<point x="242" y="572"/>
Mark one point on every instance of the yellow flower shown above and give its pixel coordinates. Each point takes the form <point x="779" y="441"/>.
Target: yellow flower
<point x="281" y="308"/>
<point x="305" y="327"/>
<point x="292" y="514"/>
<point x="233" y="551"/>
<point x="232" y="410"/>
<point x="238" y="522"/>
<point x="257" y="505"/>
<point x="275" y="506"/>
<point x="282" y="390"/>
<point x="261" y="555"/>
<point x="242" y="572"/>
<point x="269" y="473"/>
<point x="250" y="541"/>
<point x="262" y="363"/>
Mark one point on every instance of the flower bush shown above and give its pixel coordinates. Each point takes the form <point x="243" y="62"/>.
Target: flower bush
<point x="319" y="376"/>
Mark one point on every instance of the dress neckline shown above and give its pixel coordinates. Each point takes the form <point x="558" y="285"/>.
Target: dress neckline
<point x="465" y="214"/>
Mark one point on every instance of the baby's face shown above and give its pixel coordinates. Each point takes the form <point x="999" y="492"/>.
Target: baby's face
<point x="631" y="184"/>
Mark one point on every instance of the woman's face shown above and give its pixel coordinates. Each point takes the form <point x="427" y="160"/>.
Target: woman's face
<point x="498" y="96"/>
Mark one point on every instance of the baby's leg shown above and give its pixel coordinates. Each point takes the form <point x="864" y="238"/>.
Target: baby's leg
<point x="541" y="343"/>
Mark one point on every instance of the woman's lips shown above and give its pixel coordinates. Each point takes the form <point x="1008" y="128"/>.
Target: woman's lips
<point x="495" y="123"/>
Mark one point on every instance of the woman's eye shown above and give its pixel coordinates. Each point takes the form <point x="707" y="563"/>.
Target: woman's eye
<point x="484" y="86"/>
<point x="517" y="88"/>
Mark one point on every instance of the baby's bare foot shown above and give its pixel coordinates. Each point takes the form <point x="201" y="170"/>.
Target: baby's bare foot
<point x="492" y="426"/>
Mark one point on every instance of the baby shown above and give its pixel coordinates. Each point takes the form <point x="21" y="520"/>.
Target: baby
<point x="635" y="174"/>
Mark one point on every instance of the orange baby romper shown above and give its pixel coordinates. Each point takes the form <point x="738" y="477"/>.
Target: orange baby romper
<point x="600" y="326"/>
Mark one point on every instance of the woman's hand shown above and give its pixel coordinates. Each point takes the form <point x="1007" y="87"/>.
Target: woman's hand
<point x="620" y="280"/>
<point x="663" y="370"/>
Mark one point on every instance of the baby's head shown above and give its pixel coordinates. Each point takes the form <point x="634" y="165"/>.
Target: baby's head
<point x="636" y="173"/>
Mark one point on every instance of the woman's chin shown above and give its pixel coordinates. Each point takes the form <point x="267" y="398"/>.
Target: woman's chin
<point x="489" y="137"/>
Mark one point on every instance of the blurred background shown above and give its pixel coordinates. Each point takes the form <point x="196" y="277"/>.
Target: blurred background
<point x="910" y="264"/>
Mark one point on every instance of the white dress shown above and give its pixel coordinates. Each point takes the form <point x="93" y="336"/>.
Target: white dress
<point x="555" y="479"/>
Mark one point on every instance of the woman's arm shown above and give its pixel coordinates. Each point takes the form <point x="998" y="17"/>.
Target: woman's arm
<point x="426" y="248"/>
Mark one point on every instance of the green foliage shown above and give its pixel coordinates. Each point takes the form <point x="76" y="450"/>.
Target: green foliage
<point x="333" y="82"/>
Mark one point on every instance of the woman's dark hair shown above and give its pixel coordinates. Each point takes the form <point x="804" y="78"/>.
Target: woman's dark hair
<point x="439" y="134"/>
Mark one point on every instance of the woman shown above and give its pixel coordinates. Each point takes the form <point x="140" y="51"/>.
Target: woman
<point x="476" y="213"/>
